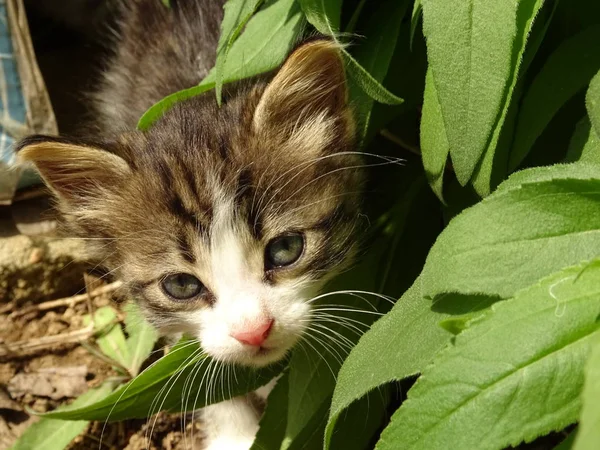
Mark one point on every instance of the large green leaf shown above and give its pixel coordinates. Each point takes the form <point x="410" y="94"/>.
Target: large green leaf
<point x="399" y="345"/>
<point x="54" y="434"/>
<point x="236" y="15"/>
<point x="588" y="434"/>
<point x="513" y="375"/>
<point x="434" y="140"/>
<point x="470" y="50"/>
<point x="545" y="220"/>
<point x="266" y="41"/>
<point x="324" y="15"/>
<point x="571" y="66"/>
<point x="141" y="339"/>
<point x="178" y="381"/>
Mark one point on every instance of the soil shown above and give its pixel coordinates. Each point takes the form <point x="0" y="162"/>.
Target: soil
<point x="36" y="270"/>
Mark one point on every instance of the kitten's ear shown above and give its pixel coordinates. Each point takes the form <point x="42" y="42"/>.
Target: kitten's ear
<point x="75" y="172"/>
<point x="310" y="84"/>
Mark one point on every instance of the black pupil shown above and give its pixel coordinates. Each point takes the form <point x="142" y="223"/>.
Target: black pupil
<point x="182" y="286"/>
<point x="284" y="250"/>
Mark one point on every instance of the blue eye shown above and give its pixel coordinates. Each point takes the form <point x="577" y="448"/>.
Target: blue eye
<point x="182" y="286"/>
<point x="284" y="250"/>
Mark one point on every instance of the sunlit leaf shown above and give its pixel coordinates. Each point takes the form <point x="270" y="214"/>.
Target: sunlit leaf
<point x="511" y="376"/>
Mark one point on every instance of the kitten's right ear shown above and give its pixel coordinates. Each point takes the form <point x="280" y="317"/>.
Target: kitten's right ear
<point x="75" y="172"/>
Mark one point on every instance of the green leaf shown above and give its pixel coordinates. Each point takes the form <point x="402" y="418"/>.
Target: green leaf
<point x="236" y="15"/>
<point x="414" y="20"/>
<point x="513" y="376"/>
<point x="399" y="345"/>
<point x="434" y="140"/>
<point x="273" y="421"/>
<point x="141" y="340"/>
<point x="496" y="153"/>
<point x="167" y="3"/>
<point x="571" y="66"/>
<point x="470" y="50"/>
<point x="53" y="434"/>
<point x="111" y="339"/>
<point x="585" y="143"/>
<point x="588" y="434"/>
<point x="542" y="220"/>
<point x="592" y="102"/>
<point x="325" y="17"/>
<point x="374" y="53"/>
<point x="264" y="45"/>
<point x="176" y="382"/>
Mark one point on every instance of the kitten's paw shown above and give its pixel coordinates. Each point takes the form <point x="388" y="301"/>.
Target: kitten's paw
<point x="229" y="443"/>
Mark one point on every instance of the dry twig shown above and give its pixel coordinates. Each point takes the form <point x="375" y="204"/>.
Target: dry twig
<point x="28" y="345"/>
<point x="68" y="301"/>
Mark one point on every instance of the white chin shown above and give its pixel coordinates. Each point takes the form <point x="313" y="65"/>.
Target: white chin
<point x="254" y="357"/>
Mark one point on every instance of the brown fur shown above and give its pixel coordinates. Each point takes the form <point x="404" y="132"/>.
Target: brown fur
<point x="282" y="147"/>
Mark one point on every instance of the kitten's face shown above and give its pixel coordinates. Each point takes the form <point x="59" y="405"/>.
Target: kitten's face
<point x="225" y="222"/>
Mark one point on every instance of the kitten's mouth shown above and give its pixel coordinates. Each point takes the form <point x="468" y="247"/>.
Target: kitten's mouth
<point x="265" y="350"/>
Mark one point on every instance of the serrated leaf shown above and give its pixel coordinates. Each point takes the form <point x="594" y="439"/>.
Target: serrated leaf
<point x="434" y="140"/>
<point x="510" y="377"/>
<point x="588" y="433"/>
<point x="325" y="17"/>
<point x="470" y="51"/>
<point x="236" y="15"/>
<point x="519" y="234"/>
<point x="576" y="171"/>
<point x="273" y="421"/>
<point x="141" y="340"/>
<point x="54" y="434"/>
<point x="266" y="41"/>
<point x="592" y="103"/>
<point x="176" y="382"/>
<point x="585" y="144"/>
<point x="111" y="339"/>
<point x="571" y="66"/>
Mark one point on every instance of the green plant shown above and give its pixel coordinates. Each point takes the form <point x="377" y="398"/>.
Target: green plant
<point x="502" y="102"/>
<point x="125" y="353"/>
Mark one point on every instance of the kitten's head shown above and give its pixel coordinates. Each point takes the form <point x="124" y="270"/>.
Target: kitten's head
<point x="224" y="222"/>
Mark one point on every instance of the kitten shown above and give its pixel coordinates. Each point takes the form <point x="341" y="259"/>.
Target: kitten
<point x="223" y="222"/>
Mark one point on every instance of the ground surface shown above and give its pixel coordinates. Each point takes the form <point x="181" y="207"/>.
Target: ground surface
<point x="43" y="361"/>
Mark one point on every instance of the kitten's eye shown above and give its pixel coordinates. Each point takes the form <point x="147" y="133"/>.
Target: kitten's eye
<point x="284" y="250"/>
<point x="182" y="286"/>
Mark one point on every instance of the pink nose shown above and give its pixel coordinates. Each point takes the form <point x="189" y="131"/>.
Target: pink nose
<point x="254" y="336"/>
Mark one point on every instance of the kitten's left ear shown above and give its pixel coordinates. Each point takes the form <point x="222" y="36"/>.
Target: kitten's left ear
<point x="76" y="172"/>
<point x="311" y="85"/>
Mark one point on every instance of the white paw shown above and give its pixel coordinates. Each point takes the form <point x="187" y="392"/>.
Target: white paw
<point x="229" y="443"/>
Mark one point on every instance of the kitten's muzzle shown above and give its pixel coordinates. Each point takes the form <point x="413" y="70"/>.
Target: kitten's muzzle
<point x="255" y="335"/>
